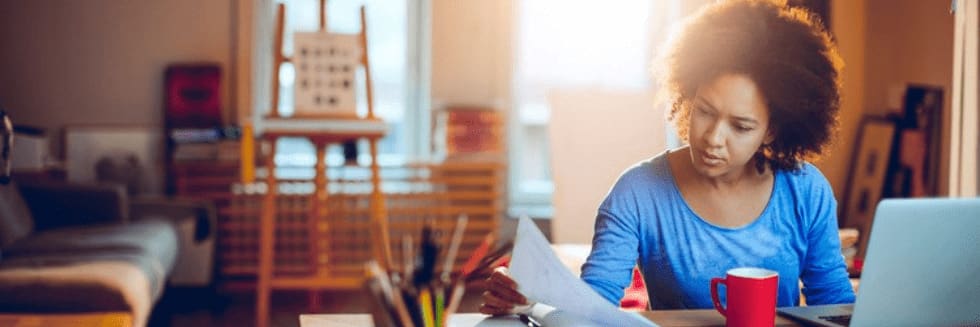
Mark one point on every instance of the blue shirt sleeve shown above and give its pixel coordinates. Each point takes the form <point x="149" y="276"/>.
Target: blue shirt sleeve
<point x="615" y="244"/>
<point x="824" y="275"/>
<point x="610" y="265"/>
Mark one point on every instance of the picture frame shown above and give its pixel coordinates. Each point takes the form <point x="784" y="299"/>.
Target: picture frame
<point x="867" y="175"/>
<point x="86" y="145"/>
<point x="914" y="167"/>
<point x="326" y="66"/>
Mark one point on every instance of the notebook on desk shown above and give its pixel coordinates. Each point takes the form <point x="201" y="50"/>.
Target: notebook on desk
<point x="922" y="269"/>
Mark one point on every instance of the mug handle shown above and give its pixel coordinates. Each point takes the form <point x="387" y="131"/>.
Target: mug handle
<point x="714" y="295"/>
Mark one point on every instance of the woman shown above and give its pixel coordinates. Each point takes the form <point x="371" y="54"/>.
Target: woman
<point x="754" y="91"/>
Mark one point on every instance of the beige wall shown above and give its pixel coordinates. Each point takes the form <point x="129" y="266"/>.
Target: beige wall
<point x="583" y="166"/>
<point x="473" y="67"/>
<point x="471" y="52"/>
<point x="909" y="41"/>
<point x="849" y="28"/>
<point x="885" y="44"/>
<point x="102" y="61"/>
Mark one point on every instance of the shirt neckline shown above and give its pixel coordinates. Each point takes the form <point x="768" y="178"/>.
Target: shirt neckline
<point x="676" y="191"/>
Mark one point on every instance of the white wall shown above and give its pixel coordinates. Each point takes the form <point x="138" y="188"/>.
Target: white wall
<point x="102" y="61"/>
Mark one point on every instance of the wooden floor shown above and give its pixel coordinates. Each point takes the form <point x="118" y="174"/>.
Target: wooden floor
<point x="237" y="308"/>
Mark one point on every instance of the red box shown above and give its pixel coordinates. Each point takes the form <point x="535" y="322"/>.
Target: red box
<point x="193" y="96"/>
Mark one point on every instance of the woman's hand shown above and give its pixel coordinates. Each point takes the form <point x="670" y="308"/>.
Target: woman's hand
<point x="501" y="295"/>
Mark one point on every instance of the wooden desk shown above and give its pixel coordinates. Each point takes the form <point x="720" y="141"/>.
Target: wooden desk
<point x="103" y="319"/>
<point x="668" y="318"/>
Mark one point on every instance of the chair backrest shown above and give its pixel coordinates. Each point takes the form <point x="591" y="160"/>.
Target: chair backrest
<point x="594" y="137"/>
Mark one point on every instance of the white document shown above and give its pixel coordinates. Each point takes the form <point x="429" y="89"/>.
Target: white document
<point x="543" y="279"/>
<point x="481" y="320"/>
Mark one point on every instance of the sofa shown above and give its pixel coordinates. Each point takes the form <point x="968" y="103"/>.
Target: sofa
<point x="76" y="248"/>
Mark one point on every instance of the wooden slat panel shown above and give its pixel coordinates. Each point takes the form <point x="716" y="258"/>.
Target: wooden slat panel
<point x="435" y="195"/>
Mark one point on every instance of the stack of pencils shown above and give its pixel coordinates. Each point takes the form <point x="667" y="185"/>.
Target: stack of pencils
<point x="415" y="295"/>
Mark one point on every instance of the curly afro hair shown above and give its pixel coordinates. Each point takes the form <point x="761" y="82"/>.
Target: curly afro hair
<point x="784" y="50"/>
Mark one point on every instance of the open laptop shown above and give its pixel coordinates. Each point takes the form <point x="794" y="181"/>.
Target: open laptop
<point x="922" y="269"/>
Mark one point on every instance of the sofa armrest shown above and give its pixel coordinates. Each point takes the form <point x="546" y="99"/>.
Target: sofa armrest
<point x="174" y="209"/>
<point x="58" y="204"/>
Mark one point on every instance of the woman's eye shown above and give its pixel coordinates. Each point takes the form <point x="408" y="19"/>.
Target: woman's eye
<point x="743" y="128"/>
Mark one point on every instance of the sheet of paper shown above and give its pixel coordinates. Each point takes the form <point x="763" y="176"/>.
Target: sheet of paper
<point x="481" y="320"/>
<point x="542" y="278"/>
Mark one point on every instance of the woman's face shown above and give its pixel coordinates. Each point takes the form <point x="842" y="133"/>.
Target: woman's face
<point x="729" y="122"/>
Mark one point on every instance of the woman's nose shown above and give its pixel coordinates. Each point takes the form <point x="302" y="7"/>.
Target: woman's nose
<point x="715" y="135"/>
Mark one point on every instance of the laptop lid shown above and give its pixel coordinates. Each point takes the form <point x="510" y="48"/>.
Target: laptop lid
<point x="922" y="266"/>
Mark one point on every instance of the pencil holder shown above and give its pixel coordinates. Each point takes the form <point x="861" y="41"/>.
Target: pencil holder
<point x="416" y="295"/>
<point x="398" y="302"/>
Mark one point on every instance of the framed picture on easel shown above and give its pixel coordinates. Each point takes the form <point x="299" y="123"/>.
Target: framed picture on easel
<point x="866" y="178"/>
<point x="325" y="65"/>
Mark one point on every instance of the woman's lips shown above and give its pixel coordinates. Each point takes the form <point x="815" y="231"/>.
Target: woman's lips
<point x="711" y="160"/>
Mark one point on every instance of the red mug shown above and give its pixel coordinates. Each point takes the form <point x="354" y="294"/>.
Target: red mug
<point x="751" y="294"/>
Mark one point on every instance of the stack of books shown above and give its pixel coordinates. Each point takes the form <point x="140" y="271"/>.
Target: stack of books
<point x="415" y="295"/>
<point x="470" y="132"/>
<point x="204" y="144"/>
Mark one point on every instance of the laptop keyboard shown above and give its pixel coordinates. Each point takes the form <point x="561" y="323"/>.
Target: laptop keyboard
<point x="842" y="320"/>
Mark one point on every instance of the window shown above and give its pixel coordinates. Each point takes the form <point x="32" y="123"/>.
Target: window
<point x="393" y="50"/>
<point x="585" y="44"/>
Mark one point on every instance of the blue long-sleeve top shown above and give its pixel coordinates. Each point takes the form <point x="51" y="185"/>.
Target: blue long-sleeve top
<point x="644" y="221"/>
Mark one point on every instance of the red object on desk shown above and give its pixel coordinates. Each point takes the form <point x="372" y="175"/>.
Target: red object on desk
<point x="750" y="296"/>
<point x="635" y="296"/>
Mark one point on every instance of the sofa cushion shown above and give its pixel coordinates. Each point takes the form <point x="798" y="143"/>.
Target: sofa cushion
<point x="151" y="236"/>
<point x="120" y="267"/>
<point x="84" y="286"/>
<point x="152" y="240"/>
<point x="15" y="218"/>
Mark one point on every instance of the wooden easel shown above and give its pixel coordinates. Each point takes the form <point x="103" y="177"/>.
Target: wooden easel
<point x="327" y="131"/>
